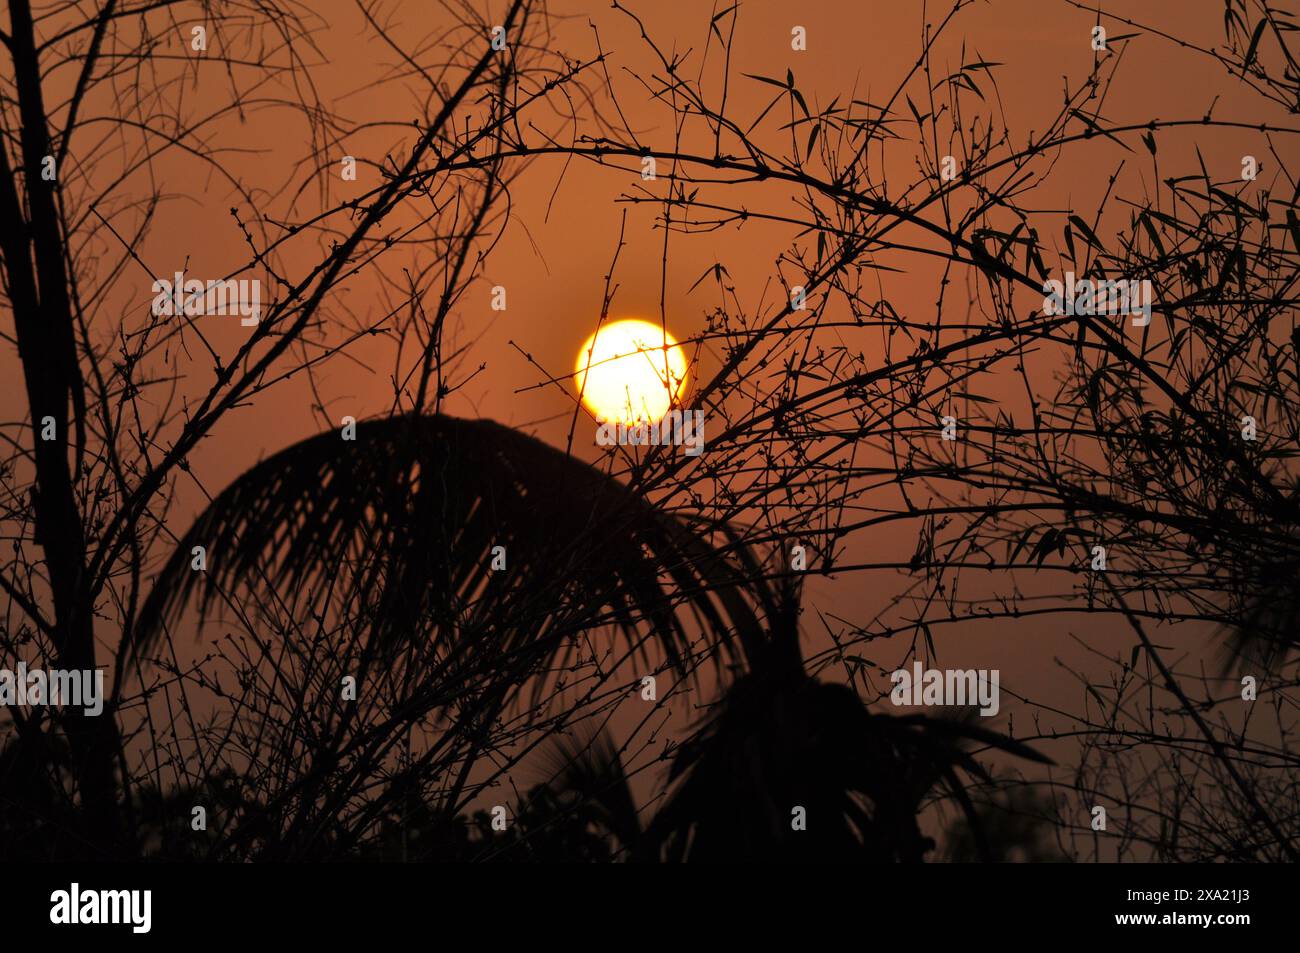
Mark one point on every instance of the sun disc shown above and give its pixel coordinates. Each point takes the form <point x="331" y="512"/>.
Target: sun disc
<point x="630" y="371"/>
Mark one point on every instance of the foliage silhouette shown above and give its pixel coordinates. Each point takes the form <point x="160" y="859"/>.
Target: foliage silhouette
<point x="415" y="507"/>
<point x="781" y="738"/>
<point x="419" y="502"/>
<point x="777" y="739"/>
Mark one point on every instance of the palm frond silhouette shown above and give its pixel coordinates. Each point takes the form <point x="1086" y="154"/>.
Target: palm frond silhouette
<point x="781" y="739"/>
<point x="412" y="511"/>
<point x="777" y="740"/>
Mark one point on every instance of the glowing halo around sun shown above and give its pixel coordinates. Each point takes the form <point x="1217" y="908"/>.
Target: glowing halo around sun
<point x="630" y="371"/>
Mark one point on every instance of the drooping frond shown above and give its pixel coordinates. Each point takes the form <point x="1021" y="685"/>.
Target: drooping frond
<point x="407" y="520"/>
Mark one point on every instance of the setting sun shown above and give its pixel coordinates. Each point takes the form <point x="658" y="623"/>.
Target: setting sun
<point x="630" y="371"/>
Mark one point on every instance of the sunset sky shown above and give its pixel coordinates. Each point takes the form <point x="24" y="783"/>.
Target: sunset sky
<point x="550" y="250"/>
<point x="553" y="255"/>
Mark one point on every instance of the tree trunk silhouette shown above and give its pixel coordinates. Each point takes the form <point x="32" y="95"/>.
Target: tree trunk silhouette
<point x="38" y="283"/>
